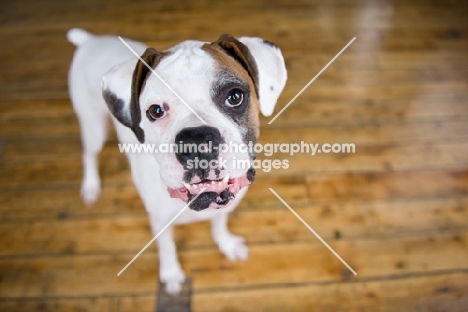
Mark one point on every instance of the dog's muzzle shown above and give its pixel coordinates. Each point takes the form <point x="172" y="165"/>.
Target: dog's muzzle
<point x="214" y="187"/>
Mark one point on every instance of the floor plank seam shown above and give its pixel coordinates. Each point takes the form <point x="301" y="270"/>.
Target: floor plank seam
<point x="462" y="166"/>
<point x="353" y="280"/>
<point x="410" y="235"/>
<point x="254" y="206"/>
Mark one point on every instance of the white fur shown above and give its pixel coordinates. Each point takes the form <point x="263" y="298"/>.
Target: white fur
<point x="271" y="69"/>
<point x="190" y="71"/>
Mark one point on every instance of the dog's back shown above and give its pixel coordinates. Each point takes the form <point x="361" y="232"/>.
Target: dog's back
<point x="93" y="57"/>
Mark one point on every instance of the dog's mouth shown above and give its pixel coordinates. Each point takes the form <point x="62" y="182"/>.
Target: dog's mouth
<point x="212" y="193"/>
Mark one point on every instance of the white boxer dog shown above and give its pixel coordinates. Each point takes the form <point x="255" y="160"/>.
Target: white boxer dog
<point x="226" y="83"/>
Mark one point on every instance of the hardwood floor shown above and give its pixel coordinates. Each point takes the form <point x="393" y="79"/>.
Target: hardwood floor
<point x="396" y="210"/>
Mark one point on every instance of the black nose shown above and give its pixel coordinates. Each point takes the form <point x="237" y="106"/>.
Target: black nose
<point x="189" y="140"/>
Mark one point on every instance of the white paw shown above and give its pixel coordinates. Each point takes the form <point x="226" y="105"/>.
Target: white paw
<point x="90" y="191"/>
<point x="233" y="247"/>
<point x="173" y="279"/>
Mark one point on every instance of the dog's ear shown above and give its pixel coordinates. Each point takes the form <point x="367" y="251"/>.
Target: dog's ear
<point x="264" y="63"/>
<point x="122" y="86"/>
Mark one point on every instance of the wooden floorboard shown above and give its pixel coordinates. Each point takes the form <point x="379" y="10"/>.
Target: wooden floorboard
<point x="396" y="209"/>
<point x="440" y="292"/>
<point x="270" y="264"/>
<point x="349" y="220"/>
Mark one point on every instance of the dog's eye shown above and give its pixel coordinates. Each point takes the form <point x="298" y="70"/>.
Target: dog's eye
<point x="235" y="98"/>
<point x="155" y="112"/>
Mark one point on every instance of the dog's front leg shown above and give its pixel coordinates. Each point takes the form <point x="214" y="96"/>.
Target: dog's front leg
<point x="170" y="271"/>
<point x="232" y="246"/>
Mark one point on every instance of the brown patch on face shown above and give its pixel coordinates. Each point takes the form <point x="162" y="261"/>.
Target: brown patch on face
<point x="240" y="52"/>
<point x="141" y="73"/>
<point x="225" y="63"/>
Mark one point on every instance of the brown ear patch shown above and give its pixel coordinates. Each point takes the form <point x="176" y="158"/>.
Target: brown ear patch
<point x="240" y="52"/>
<point x="226" y="63"/>
<point x="141" y="73"/>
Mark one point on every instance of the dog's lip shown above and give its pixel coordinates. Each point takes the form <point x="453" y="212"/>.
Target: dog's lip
<point x="218" y="186"/>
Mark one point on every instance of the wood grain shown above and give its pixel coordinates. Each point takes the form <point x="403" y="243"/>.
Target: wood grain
<point x="427" y="293"/>
<point x="296" y="262"/>
<point x="118" y="231"/>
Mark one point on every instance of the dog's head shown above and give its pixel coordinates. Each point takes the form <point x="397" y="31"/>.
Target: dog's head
<point x="226" y="83"/>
